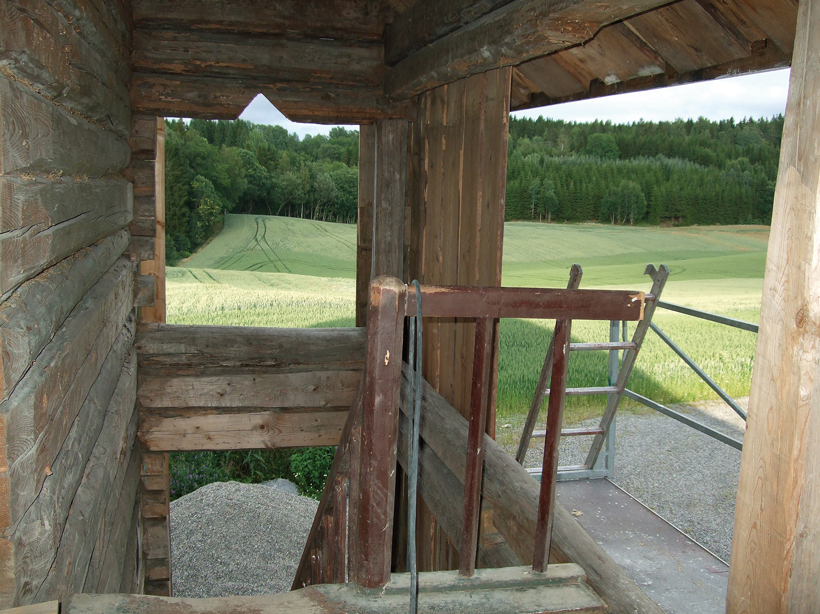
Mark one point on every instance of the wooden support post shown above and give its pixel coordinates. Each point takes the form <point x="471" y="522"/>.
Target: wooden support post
<point x="364" y="226"/>
<point x="549" y="468"/>
<point x="776" y="545"/>
<point x="377" y="473"/>
<point x="389" y="198"/>
<point x="156" y="533"/>
<point x="475" y="448"/>
<point x="156" y="267"/>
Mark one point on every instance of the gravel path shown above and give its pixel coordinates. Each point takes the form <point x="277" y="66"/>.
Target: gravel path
<point x="686" y="477"/>
<point x="237" y="539"/>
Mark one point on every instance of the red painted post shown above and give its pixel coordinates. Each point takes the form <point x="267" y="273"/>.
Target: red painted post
<point x="377" y="472"/>
<point x="549" y="469"/>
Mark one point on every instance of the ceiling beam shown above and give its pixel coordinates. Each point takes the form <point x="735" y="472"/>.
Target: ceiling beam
<point x="517" y="32"/>
<point x="427" y="21"/>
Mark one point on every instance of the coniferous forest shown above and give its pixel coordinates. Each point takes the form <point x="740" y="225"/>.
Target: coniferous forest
<point x="674" y="173"/>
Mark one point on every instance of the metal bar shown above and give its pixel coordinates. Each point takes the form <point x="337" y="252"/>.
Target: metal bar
<point x="580" y="392"/>
<point x="685" y="420"/>
<point x="694" y="366"/>
<point x="377" y="474"/>
<point x="549" y="468"/>
<point x="712" y="317"/>
<point x="479" y="400"/>
<point x="613" y="345"/>
<point x="547" y="303"/>
<point x="570" y="432"/>
<point x="659" y="277"/>
<point x="575" y="274"/>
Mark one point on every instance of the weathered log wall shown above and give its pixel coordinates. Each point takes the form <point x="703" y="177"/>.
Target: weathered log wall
<point x="231" y="388"/>
<point x="69" y="467"/>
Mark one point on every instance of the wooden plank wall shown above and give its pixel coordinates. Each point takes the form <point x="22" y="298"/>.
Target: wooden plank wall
<point x="458" y="181"/>
<point x="776" y="546"/>
<point x="69" y="469"/>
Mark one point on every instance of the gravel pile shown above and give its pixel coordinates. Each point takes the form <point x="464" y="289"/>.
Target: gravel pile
<point x="237" y="539"/>
<point x="686" y="477"/>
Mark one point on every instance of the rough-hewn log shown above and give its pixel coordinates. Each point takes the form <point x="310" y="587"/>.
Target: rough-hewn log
<point x="154" y="518"/>
<point x="322" y="104"/>
<point x="776" y="544"/>
<point x="425" y="22"/>
<point x="45" y="403"/>
<point x="513" y="494"/>
<point x="259" y="390"/>
<point x="174" y="430"/>
<point x="108" y="559"/>
<point x="144" y="290"/>
<point x="46" y="220"/>
<point x="340" y="19"/>
<point x="517" y="32"/>
<point x="131" y="582"/>
<point x="41" y="48"/>
<point x="143" y="139"/>
<point x="30" y="317"/>
<point x="235" y="55"/>
<point x="142" y="248"/>
<point x="105" y="472"/>
<point x="40" y="530"/>
<point x="182" y="96"/>
<point x="156" y="266"/>
<point x="191" y="350"/>
<point x="38" y="137"/>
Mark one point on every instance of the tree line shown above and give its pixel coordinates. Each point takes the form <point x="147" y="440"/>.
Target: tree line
<point x="681" y="172"/>
<point x="217" y="167"/>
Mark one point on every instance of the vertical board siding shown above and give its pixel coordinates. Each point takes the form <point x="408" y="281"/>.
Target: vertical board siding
<point x="459" y="164"/>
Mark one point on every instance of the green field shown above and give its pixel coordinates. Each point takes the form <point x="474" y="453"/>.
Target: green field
<point x="288" y="272"/>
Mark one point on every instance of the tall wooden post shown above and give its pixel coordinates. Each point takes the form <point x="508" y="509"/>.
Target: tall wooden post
<point x="364" y="226"/>
<point x="458" y="184"/>
<point x="776" y="546"/>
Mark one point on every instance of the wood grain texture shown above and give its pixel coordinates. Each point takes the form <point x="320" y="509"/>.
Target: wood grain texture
<point x="105" y="472"/>
<point x="156" y="266"/>
<point x="38" y="137"/>
<point x="364" y="225"/>
<point x="38" y="533"/>
<point x="145" y="290"/>
<point x="776" y="544"/>
<point x="155" y="546"/>
<point x="517" y="32"/>
<point x="204" y="429"/>
<point x="342" y="19"/>
<point x="41" y="47"/>
<point x="188" y="350"/>
<point x="142" y="248"/>
<point x="43" y="407"/>
<point x="46" y="220"/>
<point x="29" y="318"/>
<point x="387" y="257"/>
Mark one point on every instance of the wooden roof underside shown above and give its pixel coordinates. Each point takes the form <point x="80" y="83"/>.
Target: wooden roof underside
<point x="355" y="61"/>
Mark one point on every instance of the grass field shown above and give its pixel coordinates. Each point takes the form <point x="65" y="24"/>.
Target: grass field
<point x="287" y="272"/>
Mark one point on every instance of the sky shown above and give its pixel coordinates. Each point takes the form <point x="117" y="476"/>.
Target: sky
<point x="758" y="95"/>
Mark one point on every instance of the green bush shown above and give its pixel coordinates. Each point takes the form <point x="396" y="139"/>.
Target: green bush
<point x="308" y="468"/>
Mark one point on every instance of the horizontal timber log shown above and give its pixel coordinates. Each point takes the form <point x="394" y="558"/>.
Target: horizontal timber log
<point x="145" y="290"/>
<point x="513" y="495"/>
<point x="41" y="48"/>
<point x="40" y="530"/>
<point x="143" y="139"/>
<point x="142" y="248"/>
<point x="340" y="19"/>
<point x="519" y="31"/>
<point x="182" y="349"/>
<point x="235" y="55"/>
<point x="105" y="472"/>
<point x="184" y="96"/>
<point x="204" y="429"/>
<point x="45" y="220"/>
<point x="260" y="390"/>
<point x="326" y="105"/>
<point x="46" y="401"/>
<point x="494" y="302"/>
<point x="30" y="318"/>
<point x="38" y="137"/>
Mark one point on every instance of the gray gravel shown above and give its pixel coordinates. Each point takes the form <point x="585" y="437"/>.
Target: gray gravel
<point x="237" y="539"/>
<point x="686" y="477"/>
